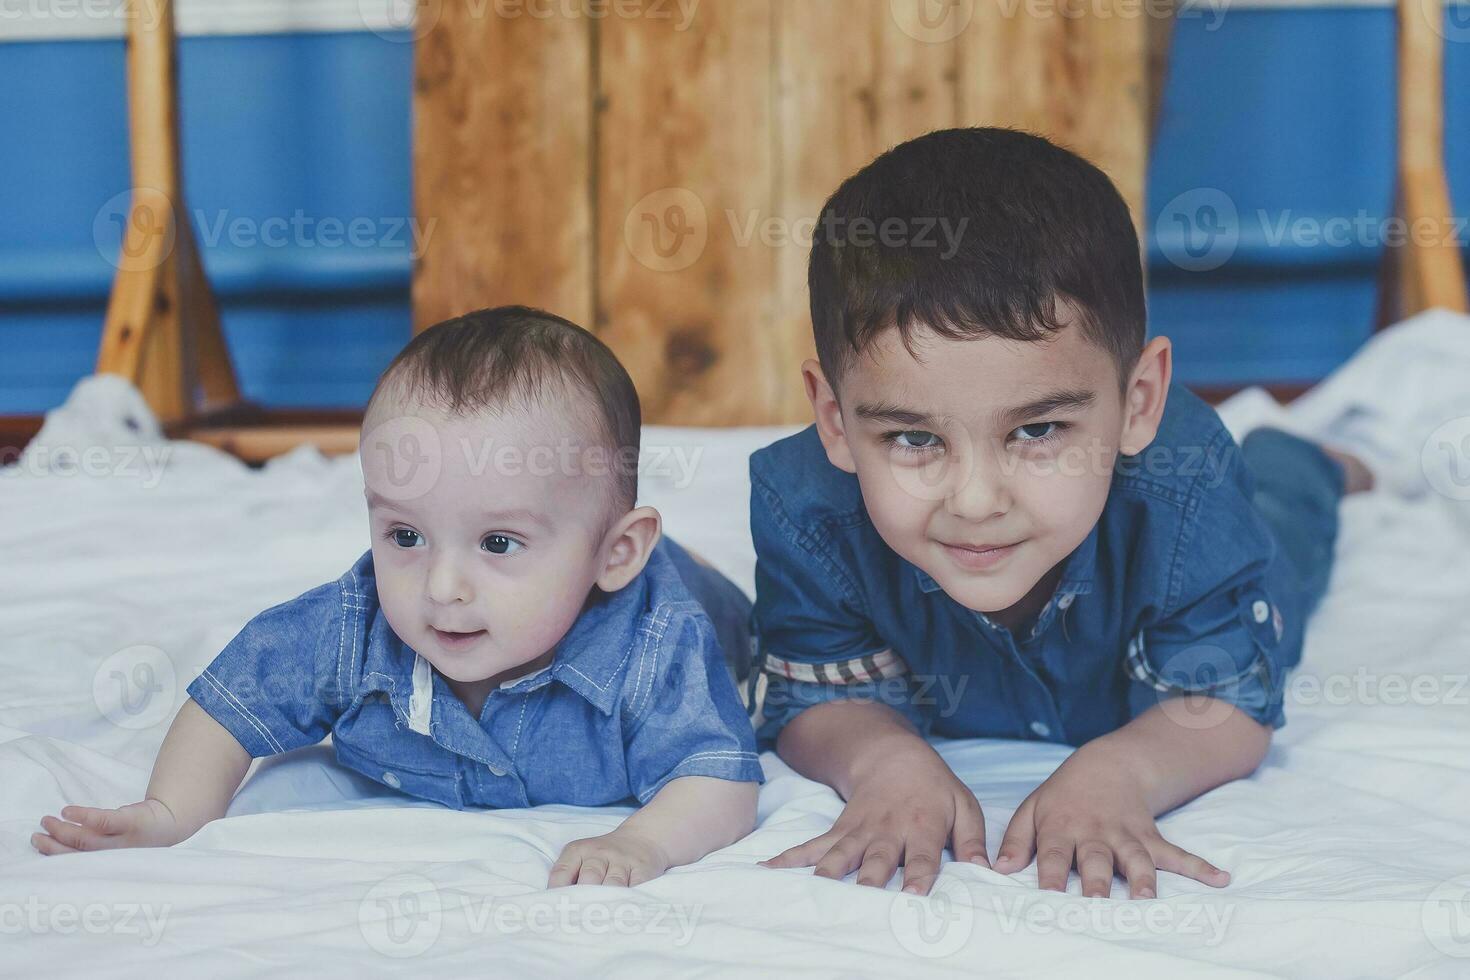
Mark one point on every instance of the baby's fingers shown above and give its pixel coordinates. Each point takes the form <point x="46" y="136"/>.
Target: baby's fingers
<point x="99" y="820"/>
<point x="77" y="837"/>
<point x="1169" y="857"/>
<point x="49" y="845"/>
<point x="565" y="870"/>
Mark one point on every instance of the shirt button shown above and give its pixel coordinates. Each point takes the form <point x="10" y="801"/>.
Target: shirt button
<point x="391" y="778"/>
<point x="496" y="772"/>
<point x="1041" y="729"/>
<point x="1065" y="601"/>
<point x="1260" y="610"/>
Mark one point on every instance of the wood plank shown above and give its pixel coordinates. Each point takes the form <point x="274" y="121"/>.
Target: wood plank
<point x="854" y="78"/>
<point x="502" y="163"/>
<point x="684" y="141"/>
<point x="1078" y="79"/>
<point x="1429" y="269"/>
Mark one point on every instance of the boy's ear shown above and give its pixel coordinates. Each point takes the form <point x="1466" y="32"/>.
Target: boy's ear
<point x="626" y="547"/>
<point x="1148" y="390"/>
<point x="829" y="415"/>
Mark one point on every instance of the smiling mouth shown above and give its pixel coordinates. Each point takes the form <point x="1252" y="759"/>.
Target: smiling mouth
<point x="978" y="558"/>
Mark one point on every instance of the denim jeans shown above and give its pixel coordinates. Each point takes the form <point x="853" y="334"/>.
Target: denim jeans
<point x="1298" y="488"/>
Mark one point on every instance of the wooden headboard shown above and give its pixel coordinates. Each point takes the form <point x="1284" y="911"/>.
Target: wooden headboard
<point x="649" y="178"/>
<point x="549" y="151"/>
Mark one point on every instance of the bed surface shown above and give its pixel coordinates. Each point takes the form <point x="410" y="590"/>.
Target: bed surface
<point x="1350" y="847"/>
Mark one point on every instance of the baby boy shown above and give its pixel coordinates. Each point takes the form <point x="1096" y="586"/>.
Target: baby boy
<point x="520" y="632"/>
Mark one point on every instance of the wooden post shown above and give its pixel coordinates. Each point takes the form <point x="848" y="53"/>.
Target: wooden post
<point x="1426" y="270"/>
<point x="162" y="330"/>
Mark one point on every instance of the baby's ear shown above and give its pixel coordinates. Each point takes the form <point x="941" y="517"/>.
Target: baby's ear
<point x="626" y="547"/>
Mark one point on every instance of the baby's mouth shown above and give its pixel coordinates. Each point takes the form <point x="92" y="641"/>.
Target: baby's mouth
<point x="455" y="640"/>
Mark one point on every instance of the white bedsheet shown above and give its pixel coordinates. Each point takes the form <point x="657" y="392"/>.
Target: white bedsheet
<point x="1350" y="847"/>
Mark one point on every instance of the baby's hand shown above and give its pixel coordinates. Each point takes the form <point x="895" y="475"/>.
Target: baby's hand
<point x="85" y="828"/>
<point x="618" y="858"/>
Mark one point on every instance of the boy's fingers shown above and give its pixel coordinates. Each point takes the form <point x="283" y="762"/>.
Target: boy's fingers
<point x="879" y="862"/>
<point x="1095" y="866"/>
<point x="49" y="845"/>
<point x="1053" y="863"/>
<point x="1019" y="842"/>
<point x="968" y="835"/>
<point x="617" y="874"/>
<point x="921" y="866"/>
<point x="842" y="858"/>
<point x="1137" y="865"/>
<point x="1170" y="857"/>
<point x="803" y="855"/>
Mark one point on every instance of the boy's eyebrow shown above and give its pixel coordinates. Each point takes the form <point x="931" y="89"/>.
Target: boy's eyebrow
<point x="1063" y="400"/>
<point x="892" y="413"/>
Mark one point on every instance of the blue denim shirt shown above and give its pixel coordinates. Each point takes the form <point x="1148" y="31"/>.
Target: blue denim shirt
<point x="637" y="694"/>
<point x="1177" y="589"/>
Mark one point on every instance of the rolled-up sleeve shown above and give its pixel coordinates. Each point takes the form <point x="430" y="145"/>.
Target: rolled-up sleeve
<point x="274" y="686"/>
<point x="1220" y="636"/>
<point x="1225" y="646"/>
<point x="815" y="643"/>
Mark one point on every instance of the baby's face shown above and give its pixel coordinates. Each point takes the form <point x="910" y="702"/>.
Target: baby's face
<point x="984" y="462"/>
<point x="486" y="532"/>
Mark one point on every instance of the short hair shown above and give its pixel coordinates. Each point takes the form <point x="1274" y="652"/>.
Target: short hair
<point x="997" y="229"/>
<point x="494" y="357"/>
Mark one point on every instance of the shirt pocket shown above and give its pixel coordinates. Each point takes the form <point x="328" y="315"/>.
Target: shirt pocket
<point x="440" y="785"/>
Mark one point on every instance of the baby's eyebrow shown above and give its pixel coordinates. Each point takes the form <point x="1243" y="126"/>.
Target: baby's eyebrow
<point x="519" y="514"/>
<point x="1063" y="400"/>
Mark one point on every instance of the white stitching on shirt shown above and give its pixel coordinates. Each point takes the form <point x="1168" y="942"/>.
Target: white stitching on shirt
<point x="245" y="712"/>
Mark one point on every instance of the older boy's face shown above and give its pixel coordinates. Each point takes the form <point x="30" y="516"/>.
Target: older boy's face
<point x="984" y="462"/>
<point x="485" y="533"/>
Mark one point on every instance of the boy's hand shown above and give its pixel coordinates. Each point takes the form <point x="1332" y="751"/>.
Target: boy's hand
<point x="619" y="858"/>
<point x="903" y="810"/>
<point x="1093" y="813"/>
<point x="84" y="828"/>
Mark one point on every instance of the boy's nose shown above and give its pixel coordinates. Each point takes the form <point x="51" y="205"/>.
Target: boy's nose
<point x="982" y="493"/>
<point x="446" y="584"/>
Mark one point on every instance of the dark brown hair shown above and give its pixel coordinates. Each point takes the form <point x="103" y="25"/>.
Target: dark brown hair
<point x="517" y="354"/>
<point x="1027" y="226"/>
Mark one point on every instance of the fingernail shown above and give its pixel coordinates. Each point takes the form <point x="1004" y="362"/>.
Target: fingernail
<point x="911" y="889"/>
<point x="1145" y="893"/>
<point x="978" y="859"/>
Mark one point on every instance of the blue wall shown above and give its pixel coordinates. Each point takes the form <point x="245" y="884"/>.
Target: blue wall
<point x="1286" y="112"/>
